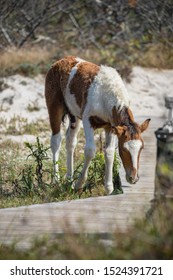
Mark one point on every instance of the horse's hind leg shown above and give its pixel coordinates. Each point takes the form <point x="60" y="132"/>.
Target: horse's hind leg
<point x="55" y="115"/>
<point x="56" y="110"/>
<point x="71" y="141"/>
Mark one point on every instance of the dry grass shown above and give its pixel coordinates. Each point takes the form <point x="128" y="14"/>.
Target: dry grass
<point x="13" y="56"/>
<point x="158" y="56"/>
<point x="14" y="60"/>
<point x="31" y="61"/>
<point x="155" y="55"/>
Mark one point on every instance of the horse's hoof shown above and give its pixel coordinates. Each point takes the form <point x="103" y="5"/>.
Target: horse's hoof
<point x="109" y="188"/>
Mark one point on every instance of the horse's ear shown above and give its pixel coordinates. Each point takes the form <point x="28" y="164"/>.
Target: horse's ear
<point x="144" y="125"/>
<point x="119" y="130"/>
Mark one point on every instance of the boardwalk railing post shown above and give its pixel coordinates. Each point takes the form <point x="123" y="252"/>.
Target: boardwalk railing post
<point x="164" y="162"/>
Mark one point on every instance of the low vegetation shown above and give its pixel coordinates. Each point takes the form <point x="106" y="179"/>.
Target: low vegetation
<point x="20" y="126"/>
<point x="26" y="175"/>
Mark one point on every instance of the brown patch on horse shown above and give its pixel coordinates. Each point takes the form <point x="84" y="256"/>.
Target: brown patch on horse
<point x="54" y="99"/>
<point x="125" y="156"/>
<point x="97" y="122"/>
<point x="116" y="116"/>
<point x="55" y="84"/>
<point x="63" y="67"/>
<point x="124" y="119"/>
<point x="79" y="85"/>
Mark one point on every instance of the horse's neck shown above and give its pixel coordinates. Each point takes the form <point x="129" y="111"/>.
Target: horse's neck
<point x="123" y="117"/>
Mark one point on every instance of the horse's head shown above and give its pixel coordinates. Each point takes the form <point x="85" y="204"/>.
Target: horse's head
<point x="130" y="146"/>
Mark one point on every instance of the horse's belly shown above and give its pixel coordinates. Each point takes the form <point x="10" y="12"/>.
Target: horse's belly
<point x="72" y="105"/>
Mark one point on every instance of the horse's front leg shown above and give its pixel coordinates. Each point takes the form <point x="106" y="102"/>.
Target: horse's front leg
<point x="109" y="160"/>
<point x="89" y="153"/>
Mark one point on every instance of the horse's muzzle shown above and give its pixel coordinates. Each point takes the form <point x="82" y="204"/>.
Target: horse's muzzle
<point x="132" y="180"/>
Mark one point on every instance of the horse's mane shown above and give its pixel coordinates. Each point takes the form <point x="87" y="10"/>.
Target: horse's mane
<point x="127" y="119"/>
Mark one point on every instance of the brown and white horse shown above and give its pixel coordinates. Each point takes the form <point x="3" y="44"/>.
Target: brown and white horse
<point x="97" y="96"/>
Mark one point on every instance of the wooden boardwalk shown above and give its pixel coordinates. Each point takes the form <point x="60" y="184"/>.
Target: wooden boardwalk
<point x="92" y="215"/>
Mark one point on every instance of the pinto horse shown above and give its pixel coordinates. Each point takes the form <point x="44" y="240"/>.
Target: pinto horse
<point x="95" y="95"/>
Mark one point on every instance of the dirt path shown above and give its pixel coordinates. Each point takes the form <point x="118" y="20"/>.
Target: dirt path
<point x="97" y="214"/>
